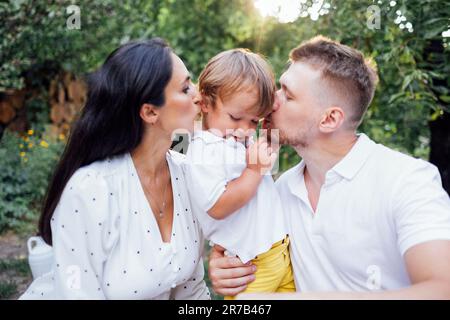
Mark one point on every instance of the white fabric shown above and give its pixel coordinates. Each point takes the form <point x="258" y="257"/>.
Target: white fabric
<point x="376" y="203"/>
<point x="211" y="163"/>
<point x="107" y="243"/>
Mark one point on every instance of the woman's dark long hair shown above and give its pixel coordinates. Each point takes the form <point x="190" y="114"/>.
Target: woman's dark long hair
<point x="109" y="124"/>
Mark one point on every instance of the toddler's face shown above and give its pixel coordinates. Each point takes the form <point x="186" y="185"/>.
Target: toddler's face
<point x="236" y="116"/>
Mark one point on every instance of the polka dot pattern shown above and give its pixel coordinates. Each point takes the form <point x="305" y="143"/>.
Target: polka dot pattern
<point x="113" y="239"/>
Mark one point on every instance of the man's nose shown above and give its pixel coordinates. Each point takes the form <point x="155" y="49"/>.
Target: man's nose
<point x="277" y="101"/>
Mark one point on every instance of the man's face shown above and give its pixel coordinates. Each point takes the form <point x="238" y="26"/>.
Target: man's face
<point x="297" y="108"/>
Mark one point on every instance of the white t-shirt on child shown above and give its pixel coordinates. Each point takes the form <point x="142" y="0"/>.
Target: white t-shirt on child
<point x="212" y="162"/>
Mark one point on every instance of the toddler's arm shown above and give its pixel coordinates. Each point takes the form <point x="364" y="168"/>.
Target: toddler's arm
<point x="260" y="159"/>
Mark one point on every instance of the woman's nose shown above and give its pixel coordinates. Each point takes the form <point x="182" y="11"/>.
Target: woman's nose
<point x="195" y="93"/>
<point x="197" y="97"/>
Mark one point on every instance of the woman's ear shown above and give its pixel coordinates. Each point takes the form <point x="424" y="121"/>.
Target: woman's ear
<point x="149" y="113"/>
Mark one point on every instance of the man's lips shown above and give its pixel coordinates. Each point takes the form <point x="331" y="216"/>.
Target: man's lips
<point x="266" y="123"/>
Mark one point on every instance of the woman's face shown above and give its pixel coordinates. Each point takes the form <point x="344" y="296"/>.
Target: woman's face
<point x="181" y="101"/>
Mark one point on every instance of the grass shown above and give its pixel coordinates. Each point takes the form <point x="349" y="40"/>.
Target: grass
<point x="8" y="288"/>
<point x="18" y="266"/>
<point x="12" y="269"/>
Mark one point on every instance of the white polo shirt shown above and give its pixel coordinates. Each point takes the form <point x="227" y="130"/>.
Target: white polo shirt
<point x="375" y="204"/>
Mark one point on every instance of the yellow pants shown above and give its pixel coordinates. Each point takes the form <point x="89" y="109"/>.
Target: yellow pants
<point x="273" y="271"/>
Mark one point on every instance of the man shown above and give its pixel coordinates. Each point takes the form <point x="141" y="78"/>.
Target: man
<point x="365" y="221"/>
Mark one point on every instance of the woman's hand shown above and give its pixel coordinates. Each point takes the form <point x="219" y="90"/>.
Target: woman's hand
<point x="228" y="275"/>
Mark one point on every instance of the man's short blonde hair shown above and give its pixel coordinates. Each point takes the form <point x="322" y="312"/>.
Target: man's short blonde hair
<point x="344" y="70"/>
<point x="235" y="70"/>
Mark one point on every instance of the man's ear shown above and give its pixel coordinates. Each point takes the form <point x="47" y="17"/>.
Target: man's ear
<point x="332" y="119"/>
<point x="149" y="113"/>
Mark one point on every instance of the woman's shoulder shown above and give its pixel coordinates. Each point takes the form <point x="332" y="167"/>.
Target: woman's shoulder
<point x="97" y="174"/>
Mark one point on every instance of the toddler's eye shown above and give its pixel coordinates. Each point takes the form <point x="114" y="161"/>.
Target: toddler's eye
<point x="185" y="90"/>
<point x="233" y="118"/>
<point x="255" y="122"/>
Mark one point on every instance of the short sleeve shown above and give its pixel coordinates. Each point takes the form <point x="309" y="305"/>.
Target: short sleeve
<point x="205" y="173"/>
<point x="81" y="233"/>
<point x="194" y="288"/>
<point x="421" y="207"/>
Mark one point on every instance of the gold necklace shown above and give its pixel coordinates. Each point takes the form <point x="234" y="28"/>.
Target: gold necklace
<point x="163" y="207"/>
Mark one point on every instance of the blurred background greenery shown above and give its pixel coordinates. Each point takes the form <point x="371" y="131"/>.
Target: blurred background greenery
<point x="43" y="63"/>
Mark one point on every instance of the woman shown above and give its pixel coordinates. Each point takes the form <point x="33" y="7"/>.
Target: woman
<point x="117" y="212"/>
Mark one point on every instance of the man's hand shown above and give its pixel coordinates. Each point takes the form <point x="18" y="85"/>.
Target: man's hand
<point x="228" y="275"/>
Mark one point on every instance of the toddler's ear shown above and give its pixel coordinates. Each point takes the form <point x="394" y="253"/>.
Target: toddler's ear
<point x="205" y="104"/>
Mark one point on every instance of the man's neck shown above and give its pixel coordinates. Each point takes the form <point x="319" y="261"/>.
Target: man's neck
<point x="324" y="154"/>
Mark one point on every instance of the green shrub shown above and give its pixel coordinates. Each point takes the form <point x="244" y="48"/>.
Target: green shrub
<point x="26" y="164"/>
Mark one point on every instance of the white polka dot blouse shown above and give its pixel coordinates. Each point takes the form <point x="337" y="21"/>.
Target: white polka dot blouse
<point x="107" y="243"/>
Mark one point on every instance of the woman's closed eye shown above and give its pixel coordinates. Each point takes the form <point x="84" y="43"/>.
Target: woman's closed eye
<point x="186" y="89"/>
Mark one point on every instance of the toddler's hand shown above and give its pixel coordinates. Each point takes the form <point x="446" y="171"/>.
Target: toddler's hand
<point x="260" y="157"/>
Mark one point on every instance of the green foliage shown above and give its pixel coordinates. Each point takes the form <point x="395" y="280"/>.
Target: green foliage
<point x="408" y="95"/>
<point x="38" y="112"/>
<point x="26" y="164"/>
<point x="36" y="44"/>
<point x="199" y="29"/>
<point x="35" y="38"/>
